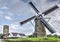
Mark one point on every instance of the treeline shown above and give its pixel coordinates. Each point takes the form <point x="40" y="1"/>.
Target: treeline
<point x="47" y="36"/>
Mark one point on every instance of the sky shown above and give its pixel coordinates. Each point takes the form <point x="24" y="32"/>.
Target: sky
<point x="12" y="12"/>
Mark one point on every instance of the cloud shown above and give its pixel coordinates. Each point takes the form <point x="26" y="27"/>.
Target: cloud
<point x="21" y="29"/>
<point x="52" y="0"/>
<point x="10" y="14"/>
<point x="8" y="17"/>
<point x="1" y="29"/>
<point x="14" y="26"/>
<point x="42" y="1"/>
<point x="25" y="0"/>
<point x="1" y="13"/>
<point x="1" y="26"/>
<point x="4" y="7"/>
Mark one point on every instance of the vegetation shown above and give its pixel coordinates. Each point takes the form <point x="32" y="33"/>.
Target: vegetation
<point x="12" y="37"/>
<point x="32" y="38"/>
<point x="48" y="39"/>
<point x="0" y="35"/>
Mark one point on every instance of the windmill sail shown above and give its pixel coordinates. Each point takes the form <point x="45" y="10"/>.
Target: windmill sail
<point x="34" y="7"/>
<point x="47" y="26"/>
<point x="23" y="22"/>
<point x="45" y="12"/>
<point x="50" y="10"/>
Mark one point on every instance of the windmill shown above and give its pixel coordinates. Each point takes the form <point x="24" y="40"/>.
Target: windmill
<point x="40" y="23"/>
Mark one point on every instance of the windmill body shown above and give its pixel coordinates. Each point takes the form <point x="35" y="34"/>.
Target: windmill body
<point x="39" y="28"/>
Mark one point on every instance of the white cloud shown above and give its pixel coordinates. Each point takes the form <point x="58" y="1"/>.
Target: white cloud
<point x="1" y="26"/>
<point x="1" y="29"/>
<point x="8" y="17"/>
<point x="20" y="29"/>
<point x="14" y="26"/>
<point x="4" y="7"/>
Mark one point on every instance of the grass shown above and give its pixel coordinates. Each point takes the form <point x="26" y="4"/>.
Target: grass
<point x="48" y="39"/>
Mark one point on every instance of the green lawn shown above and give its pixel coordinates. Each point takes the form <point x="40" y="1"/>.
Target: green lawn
<point x="48" y="39"/>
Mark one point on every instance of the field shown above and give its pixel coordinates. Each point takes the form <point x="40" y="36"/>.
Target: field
<point x="48" y="39"/>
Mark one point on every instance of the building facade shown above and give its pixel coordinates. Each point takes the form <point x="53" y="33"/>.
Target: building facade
<point x="5" y="31"/>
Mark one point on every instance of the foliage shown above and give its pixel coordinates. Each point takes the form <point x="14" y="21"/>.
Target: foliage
<point x="13" y="37"/>
<point x="0" y="35"/>
<point x="48" y="39"/>
<point x="31" y="36"/>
